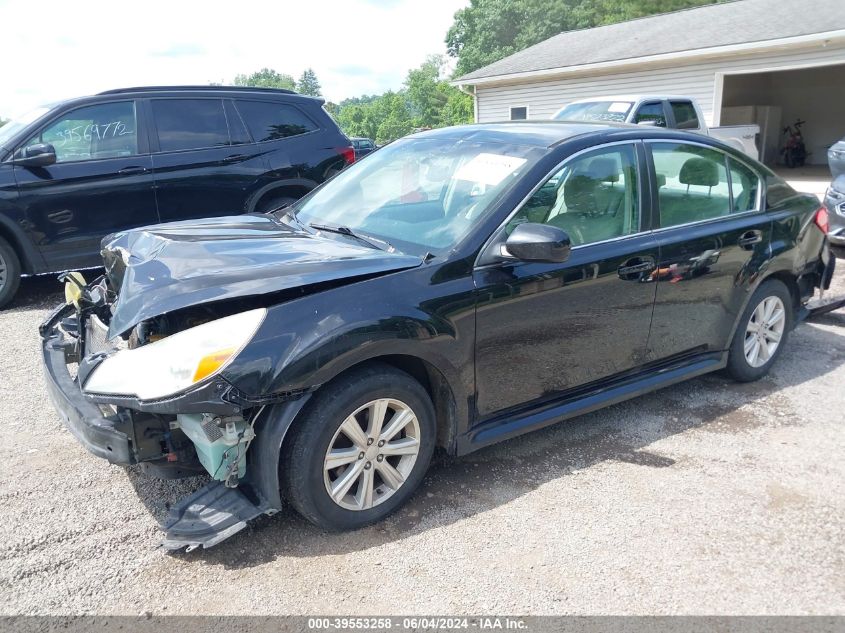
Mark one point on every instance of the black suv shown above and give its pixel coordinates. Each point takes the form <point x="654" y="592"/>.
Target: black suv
<point x="73" y="172"/>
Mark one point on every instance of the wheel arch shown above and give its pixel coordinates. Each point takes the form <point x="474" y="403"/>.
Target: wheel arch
<point x="294" y="187"/>
<point x="27" y="255"/>
<point x="791" y="282"/>
<point x="787" y="278"/>
<point x="432" y="380"/>
<point x="273" y="432"/>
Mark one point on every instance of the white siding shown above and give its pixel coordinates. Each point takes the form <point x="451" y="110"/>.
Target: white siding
<point x="697" y="80"/>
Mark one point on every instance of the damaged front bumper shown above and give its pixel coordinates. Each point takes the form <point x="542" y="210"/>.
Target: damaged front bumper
<point x="105" y="424"/>
<point x="126" y="431"/>
<point x="88" y="423"/>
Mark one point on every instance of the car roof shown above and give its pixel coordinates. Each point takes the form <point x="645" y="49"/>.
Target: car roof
<point x="535" y="133"/>
<point x="630" y="97"/>
<point x="549" y="134"/>
<point x="141" y="91"/>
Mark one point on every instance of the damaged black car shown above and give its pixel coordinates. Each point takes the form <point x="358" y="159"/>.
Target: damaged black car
<point x="457" y="288"/>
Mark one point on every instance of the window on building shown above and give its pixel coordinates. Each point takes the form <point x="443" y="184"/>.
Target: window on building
<point x="519" y="113"/>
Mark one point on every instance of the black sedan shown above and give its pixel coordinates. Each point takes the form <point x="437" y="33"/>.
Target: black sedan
<point x="458" y="288"/>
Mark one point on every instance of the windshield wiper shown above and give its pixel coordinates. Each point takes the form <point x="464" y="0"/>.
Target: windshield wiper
<point x="345" y="230"/>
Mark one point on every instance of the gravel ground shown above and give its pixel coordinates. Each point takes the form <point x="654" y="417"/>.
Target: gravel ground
<point x="709" y="497"/>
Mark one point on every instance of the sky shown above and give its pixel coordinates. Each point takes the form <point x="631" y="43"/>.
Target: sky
<point x="60" y="49"/>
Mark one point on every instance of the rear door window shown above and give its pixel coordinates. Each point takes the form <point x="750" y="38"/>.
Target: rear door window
<point x="106" y="130"/>
<point x="237" y="130"/>
<point x="692" y="183"/>
<point x="190" y="123"/>
<point x="685" y="116"/>
<point x="745" y="185"/>
<point x="272" y="121"/>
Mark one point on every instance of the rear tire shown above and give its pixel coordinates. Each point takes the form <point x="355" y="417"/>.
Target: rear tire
<point x="361" y="449"/>
<point x="10" y="273"/>
<point x="271" y="204"/>
<point x="762" y="332"/>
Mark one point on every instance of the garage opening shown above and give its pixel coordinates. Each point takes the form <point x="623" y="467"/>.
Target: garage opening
<point x="776" y="99"/>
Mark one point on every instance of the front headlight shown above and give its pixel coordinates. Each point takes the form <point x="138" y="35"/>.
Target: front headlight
<point x="175" y="363"/>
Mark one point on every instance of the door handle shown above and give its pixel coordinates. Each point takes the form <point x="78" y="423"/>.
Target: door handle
<point x="135" y="169"/>
<point x="749" y="238"/>
<point x="635" y="267"/>
<point x="234" y="158"/>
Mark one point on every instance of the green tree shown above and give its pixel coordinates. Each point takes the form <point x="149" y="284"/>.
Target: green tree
<point x="435" y="103"/>
<point x="488" y="30"/>
<point x="362" y="100"/>
<point x="383" y="118"/>
<point x="359" y="120"/>
<point x="308" y="84"/>
<point x="393" y="116"/>
<point x="266" y="78"/>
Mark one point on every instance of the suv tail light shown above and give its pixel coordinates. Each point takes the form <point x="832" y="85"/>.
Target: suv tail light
<point x="822" y="220"/>
<point x="348" y="154"/>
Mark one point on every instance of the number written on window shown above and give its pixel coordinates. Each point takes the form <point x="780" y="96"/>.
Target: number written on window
<point x="93" y="132"/>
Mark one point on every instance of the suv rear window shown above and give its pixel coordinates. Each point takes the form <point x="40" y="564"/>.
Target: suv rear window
<point x="271" y="121"/>
<point x="190" y="123"/>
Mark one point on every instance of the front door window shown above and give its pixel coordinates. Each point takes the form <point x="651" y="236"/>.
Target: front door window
<point x="106" y="130"/>
<point x="593" y="198"/>
<point x="652" y="113"/>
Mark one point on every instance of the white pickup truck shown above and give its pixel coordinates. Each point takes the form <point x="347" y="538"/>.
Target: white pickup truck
<point x="671" y="111"/>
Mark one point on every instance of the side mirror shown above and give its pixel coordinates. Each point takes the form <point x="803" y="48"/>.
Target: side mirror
<point x="532" y="242"/>
<point x="38" y="155"/>
<point x="649" y="123"/>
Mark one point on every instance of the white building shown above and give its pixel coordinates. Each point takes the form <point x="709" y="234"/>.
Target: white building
<point x="749" y="61"/>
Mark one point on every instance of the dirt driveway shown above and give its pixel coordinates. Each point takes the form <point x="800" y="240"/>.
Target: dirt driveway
<point x="708" y="497"/>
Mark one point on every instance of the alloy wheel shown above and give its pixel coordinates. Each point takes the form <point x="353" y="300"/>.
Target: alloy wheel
<point x="371" y="454"/>
<point x="3" y="269"/>
<point x="764" y="331"/>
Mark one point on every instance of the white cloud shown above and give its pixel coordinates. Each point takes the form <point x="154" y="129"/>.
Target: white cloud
<point x="56" y="50"/>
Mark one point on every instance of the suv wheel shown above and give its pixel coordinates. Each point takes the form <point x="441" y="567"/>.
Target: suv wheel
<point x="361" y="449"/>
<point x="271" y="204"/>
<point x="762" y="332"/>
<point x="10" y="272"/>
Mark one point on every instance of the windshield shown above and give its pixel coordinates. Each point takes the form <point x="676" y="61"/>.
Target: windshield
<point x="16" y="125"/>
<point x="419" y="194"/>
<point x="595" y="111"/>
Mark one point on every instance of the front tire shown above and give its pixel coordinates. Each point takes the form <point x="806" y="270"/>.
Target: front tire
<point x="10" y="273"/>
<point x="762" y="332"/>
<point x="361" y="449"/>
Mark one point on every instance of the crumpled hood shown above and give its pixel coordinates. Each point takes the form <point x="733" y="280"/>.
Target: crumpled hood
<point x="166" y="267"/>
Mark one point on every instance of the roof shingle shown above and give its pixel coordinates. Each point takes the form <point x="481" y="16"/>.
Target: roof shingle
<point x="738" y="22"/>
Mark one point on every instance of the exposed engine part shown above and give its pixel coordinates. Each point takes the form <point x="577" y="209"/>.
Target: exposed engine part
<point x="221" y="443"/>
